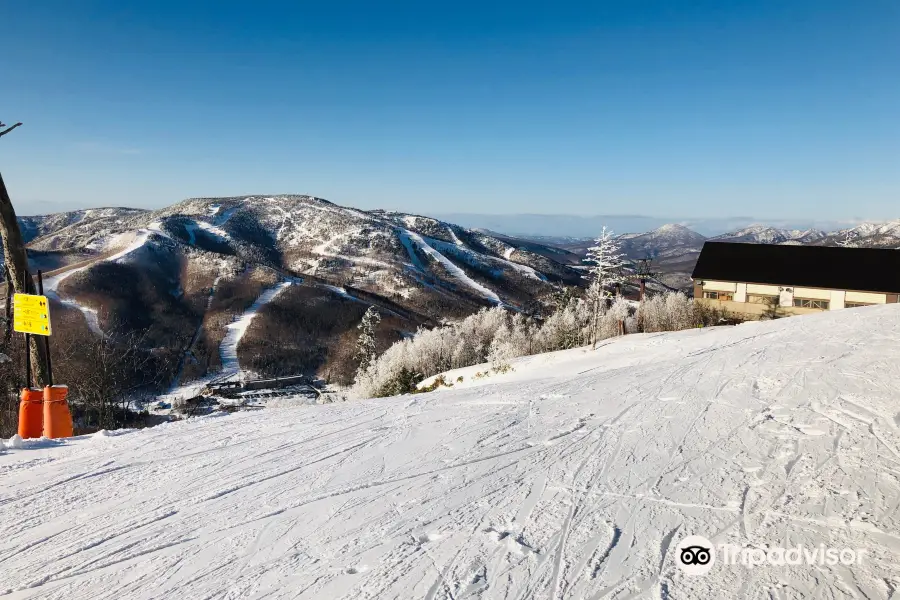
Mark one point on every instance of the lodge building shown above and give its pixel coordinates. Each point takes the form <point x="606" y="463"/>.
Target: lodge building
<point x="750" y="278"/>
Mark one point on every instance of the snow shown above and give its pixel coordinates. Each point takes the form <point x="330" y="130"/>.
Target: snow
<point x="209" y="228"/>
<point x="408" y="237"/>
<point x="90" y="314"/>
<point x="342" y="292"/>
<point x="455" y="238"/>
<point x="237" y="329"/>
<point x="137" y="240"/>
<point x="572" y="476"/>
<point x="51" y="284"/>
<point x="176" y="382"/>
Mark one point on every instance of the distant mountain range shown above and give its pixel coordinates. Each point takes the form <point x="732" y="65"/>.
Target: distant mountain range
<point x="583" y="226"/>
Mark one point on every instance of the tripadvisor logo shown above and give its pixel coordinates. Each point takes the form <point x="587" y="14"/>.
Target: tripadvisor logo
<point x="696" y="555"/>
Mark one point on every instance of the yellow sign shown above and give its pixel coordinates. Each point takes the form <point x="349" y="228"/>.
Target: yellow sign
<point x="31" y="314"/>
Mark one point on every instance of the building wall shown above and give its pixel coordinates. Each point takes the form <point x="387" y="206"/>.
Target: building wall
<point x="720" y="286"/>
<point x="756" y="310"/>
<point x="867" y="297"/>
<point x="812" y="293"/>
<point x="837" y="299"/>
<point x="786" y="294"/>
<point x="762" y="290"/>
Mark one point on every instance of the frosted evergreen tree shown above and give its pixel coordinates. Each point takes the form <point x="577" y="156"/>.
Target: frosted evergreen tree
<point x="365" y="345"/>
<point x="604" y="271"/>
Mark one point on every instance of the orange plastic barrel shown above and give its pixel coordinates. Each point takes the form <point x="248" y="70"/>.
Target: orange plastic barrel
<point x="31" y="413"/>
<point x="57" y="418"/>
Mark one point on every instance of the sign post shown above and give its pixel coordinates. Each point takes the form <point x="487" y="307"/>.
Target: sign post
<point x="32" y="314"/>
<point x="32" y="317"/>
<point x="47" y="337"/>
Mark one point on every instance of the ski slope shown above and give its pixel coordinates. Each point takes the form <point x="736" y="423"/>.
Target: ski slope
<point x="51" y="284"/>
<point x="573" y="476"/>
<point x="236" y="330"/>
<point x="408" y="237"/>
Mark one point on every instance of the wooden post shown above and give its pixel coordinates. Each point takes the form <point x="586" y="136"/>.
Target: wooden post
<point x="17" y="262"/>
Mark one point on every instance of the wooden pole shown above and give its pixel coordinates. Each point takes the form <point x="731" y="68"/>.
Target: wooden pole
<point x="17" y="262"/>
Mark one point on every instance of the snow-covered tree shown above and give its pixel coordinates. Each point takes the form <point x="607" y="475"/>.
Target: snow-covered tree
<point x="365" y="345"/>
<point x="605" y="262"/>
<point x="497" y="336"/>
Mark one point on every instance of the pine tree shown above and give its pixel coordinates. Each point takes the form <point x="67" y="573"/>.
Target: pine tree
<point x="605" y="272"/>
<point x="365" y="345"/>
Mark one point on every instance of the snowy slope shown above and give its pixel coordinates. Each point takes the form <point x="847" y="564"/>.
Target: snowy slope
<point x="572" y="477"/>
<point x="237" y="329"/>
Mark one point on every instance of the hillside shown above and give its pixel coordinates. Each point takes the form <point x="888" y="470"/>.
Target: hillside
<point x="573" y="476"/>
<point x="180" y="275"/>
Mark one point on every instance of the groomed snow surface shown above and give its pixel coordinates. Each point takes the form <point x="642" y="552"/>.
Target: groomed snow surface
<point x="574" y="476"/>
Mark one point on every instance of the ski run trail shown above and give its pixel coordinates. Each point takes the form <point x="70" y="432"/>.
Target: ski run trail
<point x="412" y="240"/>
<point x="237" y="329"/>
<point x="575" y="475"/>
<point x="231" y="367"/>
<point x="51" y="284"/>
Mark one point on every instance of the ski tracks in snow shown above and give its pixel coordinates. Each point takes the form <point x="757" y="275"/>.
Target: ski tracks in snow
<point x="573" y="484"/>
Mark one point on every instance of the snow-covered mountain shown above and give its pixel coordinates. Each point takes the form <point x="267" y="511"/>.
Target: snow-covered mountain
<point x="134" y="269"/>
<point x="305" y="234"/>
<point x="575" y="475"/>
<point x="871" y="235"/>
<point x="38" y="226"/>
<point x="668" y="241"/>
<point x="761" y="234"/>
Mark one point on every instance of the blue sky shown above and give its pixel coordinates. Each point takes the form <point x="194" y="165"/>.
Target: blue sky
<point x="664" y="108"/>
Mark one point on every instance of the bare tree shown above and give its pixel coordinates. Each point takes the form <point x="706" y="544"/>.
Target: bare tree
<point x="17" y="268"/>
<point x="8" y="129"/>
<point x="108" y="372"/>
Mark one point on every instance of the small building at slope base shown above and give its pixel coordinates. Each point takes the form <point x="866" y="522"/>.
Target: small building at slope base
<point x="758" y="280"/>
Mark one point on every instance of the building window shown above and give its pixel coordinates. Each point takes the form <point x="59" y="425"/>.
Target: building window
<point x="761" y="299"/>
<point x="808" y="303"/>
<point x="855" y="304"/>
<point x="728" y="296"/>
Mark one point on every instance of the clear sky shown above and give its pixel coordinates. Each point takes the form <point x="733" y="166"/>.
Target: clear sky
<point x="664" y="108"/>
